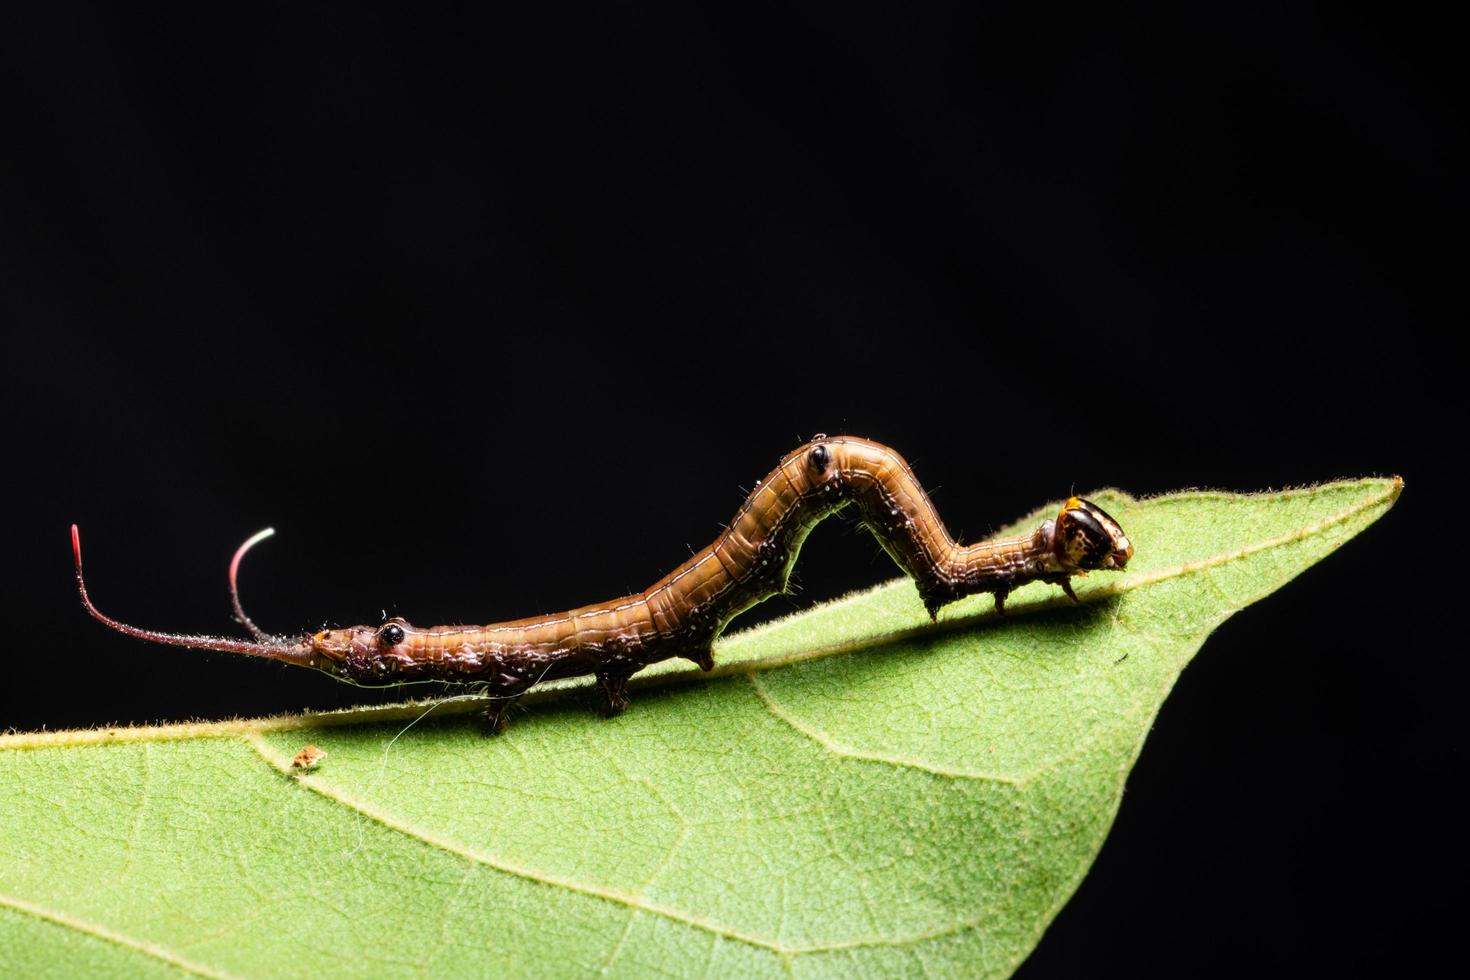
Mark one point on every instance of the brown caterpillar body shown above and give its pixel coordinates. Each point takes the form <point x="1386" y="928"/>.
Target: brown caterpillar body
<point x="682" y="613"/>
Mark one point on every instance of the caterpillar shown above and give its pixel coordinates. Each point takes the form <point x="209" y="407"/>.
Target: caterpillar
<point x="682" y="613"/>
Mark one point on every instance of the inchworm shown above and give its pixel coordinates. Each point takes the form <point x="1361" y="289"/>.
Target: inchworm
<point x="682" y="613"/>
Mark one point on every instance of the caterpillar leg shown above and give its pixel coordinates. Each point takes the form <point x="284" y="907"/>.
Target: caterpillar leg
<point x="502" y="696"/>
<point x="497" y="716"/>
<point x="614" y="685"/>
<point x="1065" y="581"/>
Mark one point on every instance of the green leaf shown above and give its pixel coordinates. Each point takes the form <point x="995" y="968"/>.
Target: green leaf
<point x="854" y="790"/>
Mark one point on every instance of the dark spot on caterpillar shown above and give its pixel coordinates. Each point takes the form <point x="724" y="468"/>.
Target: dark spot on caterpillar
<point x="819" y="458"/>
<point x="391" y="635"/>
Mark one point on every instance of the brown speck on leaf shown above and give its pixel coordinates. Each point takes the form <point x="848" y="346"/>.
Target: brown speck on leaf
<point x="308" y="758"/>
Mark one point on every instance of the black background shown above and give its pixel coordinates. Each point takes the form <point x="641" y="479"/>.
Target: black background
<point x="449" y="297"/>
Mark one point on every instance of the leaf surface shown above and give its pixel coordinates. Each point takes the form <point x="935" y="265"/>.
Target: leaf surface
<point x="854" y="790"/>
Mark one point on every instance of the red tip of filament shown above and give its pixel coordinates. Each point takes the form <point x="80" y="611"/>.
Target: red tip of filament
<point x="240" y="616"/>
<point x="254" y="540"/>
<point x="289" y="651"/>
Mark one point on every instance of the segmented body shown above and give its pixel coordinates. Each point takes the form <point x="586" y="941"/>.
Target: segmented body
<point x="682" y="613"/>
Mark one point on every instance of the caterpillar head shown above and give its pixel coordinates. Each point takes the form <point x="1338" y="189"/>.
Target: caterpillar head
<point x="1085" y="538"/>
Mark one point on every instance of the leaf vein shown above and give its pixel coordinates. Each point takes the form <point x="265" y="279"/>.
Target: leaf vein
<point x="844" y="750"/>
<point x="637" y="903"/>
<point x="161" y="953"/>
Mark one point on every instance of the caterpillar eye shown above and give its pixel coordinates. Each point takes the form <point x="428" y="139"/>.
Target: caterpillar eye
<point x="819" y="458"/>
<point x="391" y="635"/>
